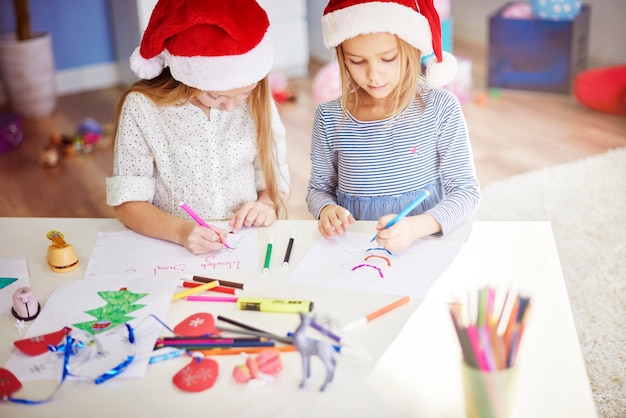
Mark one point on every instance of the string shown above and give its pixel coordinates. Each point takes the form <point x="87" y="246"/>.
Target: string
<point x="71" y="349"/>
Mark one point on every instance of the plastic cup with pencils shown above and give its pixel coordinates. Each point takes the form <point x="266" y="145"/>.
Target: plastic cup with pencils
<point x="490" y="338"/>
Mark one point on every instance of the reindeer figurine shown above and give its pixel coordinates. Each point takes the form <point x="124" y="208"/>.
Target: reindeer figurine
<point x="308" y="347"/>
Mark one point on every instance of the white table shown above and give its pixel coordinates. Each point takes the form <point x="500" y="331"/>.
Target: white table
<point x="414" y="369"/>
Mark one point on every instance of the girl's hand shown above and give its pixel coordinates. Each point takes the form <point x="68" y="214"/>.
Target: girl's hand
<point x="400" y="235"/>
<point x="395" y="238"/>
<point x="253" y="214"/>
<point x="198" y="239"/>
<point x="334" y="219"/>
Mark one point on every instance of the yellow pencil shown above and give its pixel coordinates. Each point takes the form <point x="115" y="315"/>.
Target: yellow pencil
<point x="194" y="290"/>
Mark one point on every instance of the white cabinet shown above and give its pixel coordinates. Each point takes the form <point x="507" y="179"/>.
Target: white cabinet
<point x="290" y="35"/>
<point x="287" y="17"/>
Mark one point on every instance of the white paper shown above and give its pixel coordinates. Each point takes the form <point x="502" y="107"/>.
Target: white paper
<point x="129" y="253"/>
<point x="333" y="263"/>
<point x="77" y="302"/>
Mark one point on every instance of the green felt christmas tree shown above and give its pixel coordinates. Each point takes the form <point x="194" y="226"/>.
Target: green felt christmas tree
<point x="119" y="304"/>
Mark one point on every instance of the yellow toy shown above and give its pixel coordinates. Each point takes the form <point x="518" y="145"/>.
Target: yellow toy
<point x="61" y="257"/>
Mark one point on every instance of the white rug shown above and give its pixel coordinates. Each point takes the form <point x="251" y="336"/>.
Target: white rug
<point x="586" y="204"/>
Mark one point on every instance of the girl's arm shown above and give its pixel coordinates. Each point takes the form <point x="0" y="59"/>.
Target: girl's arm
<point x="322" y="186"/>
<point x="146" y="219"/>
<point x="457" y="169"/>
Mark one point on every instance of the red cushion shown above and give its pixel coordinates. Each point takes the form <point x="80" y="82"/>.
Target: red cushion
<point x="602" y="89"/>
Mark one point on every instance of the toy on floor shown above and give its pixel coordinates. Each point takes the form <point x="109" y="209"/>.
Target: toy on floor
<point x="279" y="87"/>
<point x="11" y="131"/>
<point x="556" y="9"/>
<point x="602" y="89"/>
<point x="308" y="347"/>
<point x="89" y="133"/>
<point x="327" y="83"/>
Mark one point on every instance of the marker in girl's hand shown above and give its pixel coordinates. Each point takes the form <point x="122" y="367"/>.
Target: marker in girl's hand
<point x="420" y="198"/>
<point x="199" y="220"/>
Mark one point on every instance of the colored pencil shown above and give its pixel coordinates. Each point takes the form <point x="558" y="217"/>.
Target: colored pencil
<point x="220" y="289"/>
<point x="249" y="330"/>
<point x="222" y="282"/>
<point x="247" y="350"/>
<point x="423" y="195"/>
<point x="367" y="318"/>
<point x="490" y="341"/>
<point x="208" y="339"/>
<point x="204" y="346"/>
<point x="194" y="290"/>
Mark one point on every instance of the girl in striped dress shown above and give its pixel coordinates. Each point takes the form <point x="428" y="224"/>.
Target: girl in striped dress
<point x="392" y="134"/>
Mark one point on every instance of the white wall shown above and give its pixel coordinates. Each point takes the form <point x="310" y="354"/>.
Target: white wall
<point x="607" y="41"/>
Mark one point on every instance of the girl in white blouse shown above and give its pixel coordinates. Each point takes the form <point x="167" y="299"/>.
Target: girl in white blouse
<point x="200" y="126"/>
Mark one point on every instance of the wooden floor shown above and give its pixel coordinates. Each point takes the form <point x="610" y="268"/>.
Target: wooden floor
<point x="512" y="132"/>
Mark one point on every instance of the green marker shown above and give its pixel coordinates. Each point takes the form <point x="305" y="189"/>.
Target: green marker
<point x="268" y="256"/>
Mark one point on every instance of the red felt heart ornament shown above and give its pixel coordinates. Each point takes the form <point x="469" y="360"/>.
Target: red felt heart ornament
<point x="197" y="376"/>
<point x="8" y="383"/>
<point x="196" y="325"/>
<point x="35" y="346"/>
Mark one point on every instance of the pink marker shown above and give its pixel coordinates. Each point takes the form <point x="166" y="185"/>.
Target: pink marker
<point x="198" y="219"/>
<point x="200" y="298"/>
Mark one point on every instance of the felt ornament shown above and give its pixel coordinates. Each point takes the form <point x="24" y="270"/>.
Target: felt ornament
<point x="199" y="375"/>
<point x="9" y="384"/>
<point x="266" y="362"/>
<point x="38" y="345"/>
<point x="197" y="325"/>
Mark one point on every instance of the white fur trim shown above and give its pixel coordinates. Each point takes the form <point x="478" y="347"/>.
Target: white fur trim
<point x="438" y="74"/>
<point x="225" y="72"/>
<point x="146" y="68"/>
<point x="376" y="17"/>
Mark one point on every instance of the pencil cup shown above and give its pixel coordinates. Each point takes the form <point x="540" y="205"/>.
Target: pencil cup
<point x="489" y="394"/>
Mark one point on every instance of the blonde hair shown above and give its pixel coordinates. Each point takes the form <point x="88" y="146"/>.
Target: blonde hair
<point x="164" y="90"/>
<point x="402" y="94"/>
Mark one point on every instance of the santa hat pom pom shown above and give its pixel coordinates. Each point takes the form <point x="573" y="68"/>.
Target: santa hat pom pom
<point x="146" y="68"/>
<point x="438" y="74"/>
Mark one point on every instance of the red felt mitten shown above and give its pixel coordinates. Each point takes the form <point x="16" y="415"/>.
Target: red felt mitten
<point x="602" y="89"/>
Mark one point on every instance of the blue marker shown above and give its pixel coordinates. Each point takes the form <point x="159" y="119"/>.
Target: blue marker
<point x="406" y="210"/>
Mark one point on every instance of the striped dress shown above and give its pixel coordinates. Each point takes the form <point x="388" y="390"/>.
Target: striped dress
<point x="375" y="168"/>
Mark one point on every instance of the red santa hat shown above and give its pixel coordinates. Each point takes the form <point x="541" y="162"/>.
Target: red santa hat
<point x="212" y="45"/>
<point x="414" y="21"/>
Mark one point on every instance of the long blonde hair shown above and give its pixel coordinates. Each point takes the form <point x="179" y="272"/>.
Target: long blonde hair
<point x="164" y="90"/>
<point x="402" y="94"/>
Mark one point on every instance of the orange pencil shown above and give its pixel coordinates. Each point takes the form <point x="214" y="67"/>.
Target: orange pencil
<point x="367" y="318"/>
<point x="247" y="350"/>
